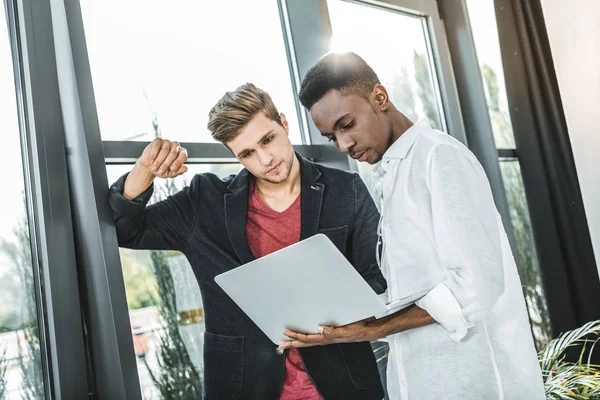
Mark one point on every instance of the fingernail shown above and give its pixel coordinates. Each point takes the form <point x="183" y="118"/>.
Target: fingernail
<point x="154" y="168"/>
<point x="160" y="172"/>
<point x="321" y="329"/>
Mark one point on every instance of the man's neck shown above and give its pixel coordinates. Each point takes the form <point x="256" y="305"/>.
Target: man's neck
<point x="400" y="124"/>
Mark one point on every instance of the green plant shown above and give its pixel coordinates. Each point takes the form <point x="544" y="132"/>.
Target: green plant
<point x="571" y="380"/>
<point x="177" y="377"/>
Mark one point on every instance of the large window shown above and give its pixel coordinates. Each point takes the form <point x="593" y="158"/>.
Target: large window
<point x="485" y="34"/>
<point x="21" y="351"/>
<point x="175" y="59"/>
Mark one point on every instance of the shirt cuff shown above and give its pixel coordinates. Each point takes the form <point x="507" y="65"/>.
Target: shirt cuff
<point x="441" y="304"/>
<point x="123" y="205"/>
<point x="393" y="306"/>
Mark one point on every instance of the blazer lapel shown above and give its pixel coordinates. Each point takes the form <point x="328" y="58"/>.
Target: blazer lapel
<point x="236" y="214"/>
<point x="311" y="198"/>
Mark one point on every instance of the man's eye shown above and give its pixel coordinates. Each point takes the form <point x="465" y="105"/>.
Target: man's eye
<point x="268" y="140"/>
<point x="349" y="125"/>
<point x="248" y="154"/>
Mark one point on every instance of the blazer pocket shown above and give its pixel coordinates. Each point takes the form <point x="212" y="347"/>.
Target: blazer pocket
<point x="361" y="364"/>
<point x="339" y="237"/>
<point x="223" y="366"/>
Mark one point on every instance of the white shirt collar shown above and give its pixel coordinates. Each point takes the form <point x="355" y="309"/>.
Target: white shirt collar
<point x="402" y="145"/>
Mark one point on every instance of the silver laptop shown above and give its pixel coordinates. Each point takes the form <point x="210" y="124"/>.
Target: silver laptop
<point x="301" y="287"/>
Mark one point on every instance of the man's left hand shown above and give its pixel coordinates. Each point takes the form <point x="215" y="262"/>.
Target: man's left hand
<point x="359" y="331"/>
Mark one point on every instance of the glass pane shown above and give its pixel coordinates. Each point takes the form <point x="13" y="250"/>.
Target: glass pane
<point x="485" y="33"/>
<point x="21" y="374"/>
<point x="530" y="269"/>
<point x="177" y="58"/>
<point x="165" y="307"/>
<point x="404" y="66"/>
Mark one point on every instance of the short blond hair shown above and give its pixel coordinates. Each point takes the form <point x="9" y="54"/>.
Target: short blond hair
<point x="236" y="109"/>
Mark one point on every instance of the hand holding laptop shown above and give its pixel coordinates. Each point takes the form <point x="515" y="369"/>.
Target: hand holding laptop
<point x="301" y="287"/>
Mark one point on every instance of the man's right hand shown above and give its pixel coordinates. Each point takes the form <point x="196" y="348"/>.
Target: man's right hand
<point x="161" y="158"/>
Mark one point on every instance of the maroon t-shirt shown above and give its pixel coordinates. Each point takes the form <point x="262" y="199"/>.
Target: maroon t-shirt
<point x="268" y="231"/>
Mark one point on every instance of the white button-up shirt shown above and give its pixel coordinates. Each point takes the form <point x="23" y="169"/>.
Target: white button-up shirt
<point x="440" y="228"/>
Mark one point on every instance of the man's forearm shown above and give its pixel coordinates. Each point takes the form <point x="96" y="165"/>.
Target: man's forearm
<point x="137" y="182"/>
<point x="409" y="318"/>
<point x="362" y="331"/>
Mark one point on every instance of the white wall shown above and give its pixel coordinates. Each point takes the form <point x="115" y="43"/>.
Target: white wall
<point x="574" y="33"/>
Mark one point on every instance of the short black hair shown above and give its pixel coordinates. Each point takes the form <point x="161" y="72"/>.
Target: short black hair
<point x="346" y="72"/>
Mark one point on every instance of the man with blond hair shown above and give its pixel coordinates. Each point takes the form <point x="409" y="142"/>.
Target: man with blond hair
<point x="220" y="224"/>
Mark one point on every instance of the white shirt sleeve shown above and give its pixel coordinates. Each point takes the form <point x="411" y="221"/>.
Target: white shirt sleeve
<point x="441" y="304"/>
<point x="467" y="238"/>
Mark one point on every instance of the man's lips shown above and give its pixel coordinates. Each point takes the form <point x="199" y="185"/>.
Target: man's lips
<point x="360" y="156"/>
<point x="274" y="169"/>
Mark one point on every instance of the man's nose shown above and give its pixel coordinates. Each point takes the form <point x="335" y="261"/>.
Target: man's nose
<point x="265" y="158"/>
<point x="345" y="144"/>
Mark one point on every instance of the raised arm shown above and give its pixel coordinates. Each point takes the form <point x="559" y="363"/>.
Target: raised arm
<point x="166" y="224"/>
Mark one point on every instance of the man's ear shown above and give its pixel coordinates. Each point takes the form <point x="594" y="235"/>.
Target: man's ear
<point x="380" y="97"/>
<point x="284" y="123"/>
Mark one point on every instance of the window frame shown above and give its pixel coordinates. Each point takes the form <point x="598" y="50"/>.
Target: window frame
<point x="62" y="342"/>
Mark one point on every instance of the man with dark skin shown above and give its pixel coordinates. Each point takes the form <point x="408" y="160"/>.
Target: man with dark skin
<point x="468" y="334"/>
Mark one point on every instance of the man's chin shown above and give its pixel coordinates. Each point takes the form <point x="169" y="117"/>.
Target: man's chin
<point x="273" y="181"/>
<point x="373" y="160"/>
<point x="277" y="179"/>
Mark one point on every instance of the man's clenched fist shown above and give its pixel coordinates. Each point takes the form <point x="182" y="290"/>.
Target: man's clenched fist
<point x="161" y="158"/>
<point x="164" y="158"/>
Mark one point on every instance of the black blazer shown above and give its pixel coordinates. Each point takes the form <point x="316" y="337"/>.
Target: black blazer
<point x="207" y="222"/>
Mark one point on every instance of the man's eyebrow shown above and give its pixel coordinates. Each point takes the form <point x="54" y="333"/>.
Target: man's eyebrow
<point x="337" y="124"/>
<point x="241" y="153"/>
<point x="262" y="139"/>
<point x="339" y="121"/>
